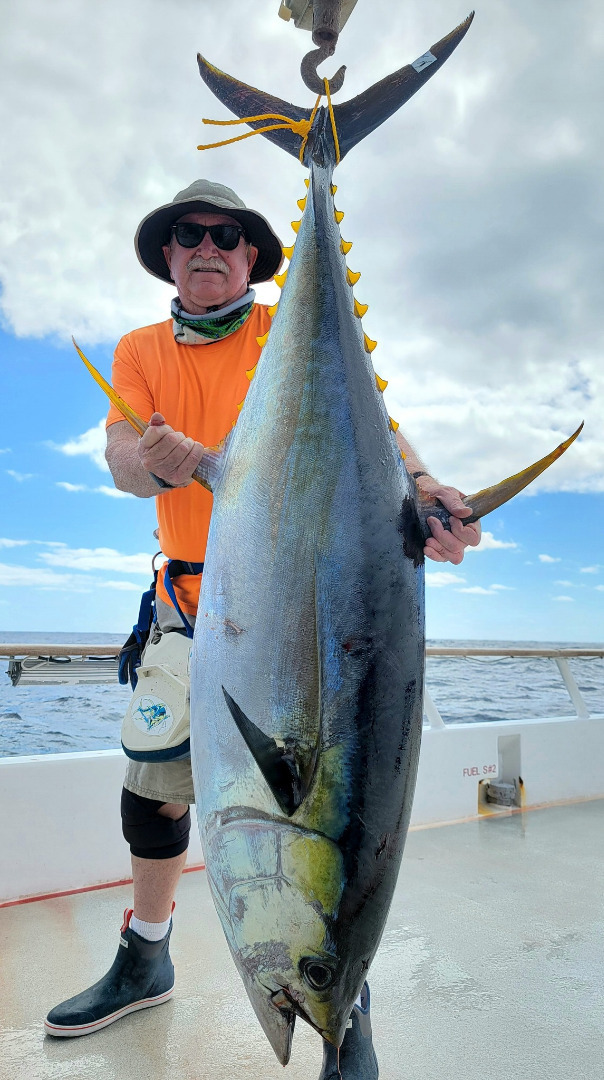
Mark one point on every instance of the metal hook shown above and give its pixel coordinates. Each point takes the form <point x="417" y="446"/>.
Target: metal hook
<point x="325" y="30"/>
<point x="310" y="63"/>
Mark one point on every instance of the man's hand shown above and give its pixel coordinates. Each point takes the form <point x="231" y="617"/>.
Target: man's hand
<point x="445" y="546"/>
<point x="169" y="454"/>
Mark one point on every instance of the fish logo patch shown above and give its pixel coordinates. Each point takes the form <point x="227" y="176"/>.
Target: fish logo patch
<point x="151" y="715"/>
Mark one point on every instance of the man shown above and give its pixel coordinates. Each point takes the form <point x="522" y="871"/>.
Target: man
<point x="191" y="369"/>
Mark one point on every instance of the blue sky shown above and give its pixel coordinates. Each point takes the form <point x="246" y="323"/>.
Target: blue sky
<point x="74" y="558"/>
<point x="476" y="217"/>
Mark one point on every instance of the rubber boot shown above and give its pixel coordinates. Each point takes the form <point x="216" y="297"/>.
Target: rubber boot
<point x="142" y="975"/>
<point x="357" y="1057"/>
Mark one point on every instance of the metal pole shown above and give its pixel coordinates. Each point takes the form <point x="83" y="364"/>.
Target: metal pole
<point x="573" y="690"/>
<point x="326" y="22"/>
<point x="434" y="718"/>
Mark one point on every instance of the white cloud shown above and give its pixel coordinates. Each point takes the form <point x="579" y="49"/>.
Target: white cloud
<point x="90" y="444"/>
<point x="114" y="493"/>
<point x="565" y="584"/>
<point x="478" y="590"/>
<point x="126" y="586"/>
<point x="599" y="588"/>
<point x="70" y="487"/>
<point x="439" y="578"/>
<point x="548" y="559"/>
<point x="19" y="477"/>
<point x="28" y="577"/>
<point x="497" y="281"/>
<point x="565" y="599"/>
<point x="5" y="543"/>
<point x="5" y="450"/>
<point x="506" y="588"/>
<point x="488" y="542"/>
<point x="97" y="559"/>
<point x="590" y="569"/>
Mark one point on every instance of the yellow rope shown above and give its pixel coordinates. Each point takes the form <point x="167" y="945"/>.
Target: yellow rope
<point x="310" y="124"/>
<point x="333" y="121"/>
<point x="299" y="127"/>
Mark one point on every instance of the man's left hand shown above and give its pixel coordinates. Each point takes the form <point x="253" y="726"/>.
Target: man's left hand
<point x="445" y="546"/>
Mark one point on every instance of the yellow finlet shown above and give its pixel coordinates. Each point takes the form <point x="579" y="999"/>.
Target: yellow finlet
<point x="288" y="251"/>
<point x="263" y="340"/>
<point x="369" y="344"/>
<point x="338" y="214"/>
<point x="380" y="383"/>
<point x="334" y="188"/>
<point x="272" y="310"/>
<point x="302" y="202"/>
<point x="351" y="277"/>
<point x="240" y="406"/>
<point x="279" y="279"/>
<point x="360" y="309"/>
<point x="250" y="374"/>
<point x="403" y="455"/>
<point x="393" y="424"/>
<point x="296" y="225"/>
<point x="345" y="246"/>
<point x="307" y="182"/>
<point x="133" y="418"/>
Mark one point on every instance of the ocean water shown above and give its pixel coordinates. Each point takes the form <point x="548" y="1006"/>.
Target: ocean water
<point x="62" y="719"/>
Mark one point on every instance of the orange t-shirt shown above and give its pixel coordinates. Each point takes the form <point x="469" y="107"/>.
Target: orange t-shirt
<point x="197" y="388"/>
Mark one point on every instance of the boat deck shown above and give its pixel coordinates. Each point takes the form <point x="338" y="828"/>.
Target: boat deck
<point x="492" y="964"/>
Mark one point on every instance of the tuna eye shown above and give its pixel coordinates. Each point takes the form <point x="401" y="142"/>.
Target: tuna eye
<point x="317" y="975"/>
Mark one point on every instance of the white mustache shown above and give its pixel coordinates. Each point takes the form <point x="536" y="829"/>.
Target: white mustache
<point x="197" y="263"/>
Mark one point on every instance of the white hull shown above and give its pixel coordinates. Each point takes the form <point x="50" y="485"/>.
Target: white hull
<point x="59" y="814"/>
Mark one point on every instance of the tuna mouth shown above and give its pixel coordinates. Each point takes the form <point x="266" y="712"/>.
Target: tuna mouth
<point x="285" y="1001"/>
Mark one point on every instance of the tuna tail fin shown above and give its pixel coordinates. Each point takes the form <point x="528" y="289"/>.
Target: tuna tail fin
<point x="353" y="119"/>
<point x="244" y="100"/>
<point x="288" y="771"/>
<point x="357" y="118"/>
<point x="489" y="499"/>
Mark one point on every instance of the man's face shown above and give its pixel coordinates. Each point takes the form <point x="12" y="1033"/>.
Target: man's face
<point x="206" y="276"/>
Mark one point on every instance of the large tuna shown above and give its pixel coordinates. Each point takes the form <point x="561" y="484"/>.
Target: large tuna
<point x="307" y="674"/>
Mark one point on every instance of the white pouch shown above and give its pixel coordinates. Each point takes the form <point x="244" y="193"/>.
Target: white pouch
<point x="156" y="724"/>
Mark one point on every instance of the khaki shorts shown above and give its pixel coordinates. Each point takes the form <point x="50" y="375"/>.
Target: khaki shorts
<point x="166" y="781"/>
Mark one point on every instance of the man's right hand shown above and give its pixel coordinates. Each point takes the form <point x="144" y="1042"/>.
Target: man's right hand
<point x="169" y="454"/>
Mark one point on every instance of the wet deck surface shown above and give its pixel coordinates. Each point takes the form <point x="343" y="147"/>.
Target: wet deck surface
<point x="492" y="965"/>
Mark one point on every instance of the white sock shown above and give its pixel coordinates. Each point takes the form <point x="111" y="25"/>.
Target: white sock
<point x="150" y="931"/>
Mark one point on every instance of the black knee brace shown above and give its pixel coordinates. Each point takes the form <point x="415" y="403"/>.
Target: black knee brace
<point x="150" y="834"/>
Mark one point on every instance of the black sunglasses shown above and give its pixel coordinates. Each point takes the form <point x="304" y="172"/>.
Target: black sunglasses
<point x="189" y="234"/>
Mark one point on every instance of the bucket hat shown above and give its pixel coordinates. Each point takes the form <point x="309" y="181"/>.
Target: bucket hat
<point x="206" y="197"/>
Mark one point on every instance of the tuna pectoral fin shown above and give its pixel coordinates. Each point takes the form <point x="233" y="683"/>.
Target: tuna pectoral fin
<point x="483" y="502"/>
<point x="284" y="768"/>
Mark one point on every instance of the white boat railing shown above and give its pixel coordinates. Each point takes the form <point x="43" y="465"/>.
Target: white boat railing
<point x="559" y="656"/>
<point x="46" y="651"/>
